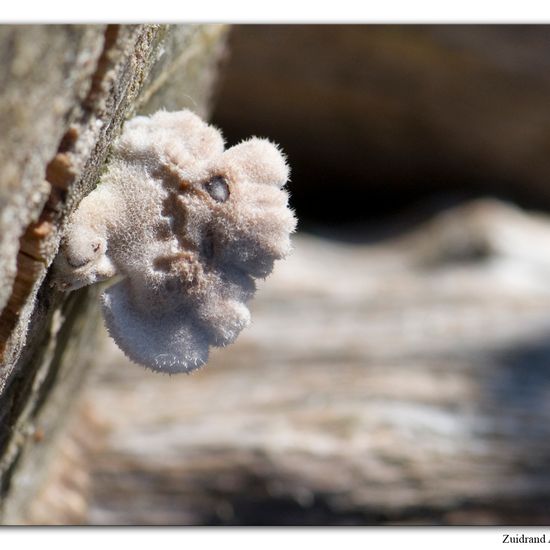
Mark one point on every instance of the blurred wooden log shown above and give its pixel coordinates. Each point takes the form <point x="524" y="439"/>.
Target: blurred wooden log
<point x="374" y="116"/>
<point x="403" y="381"/>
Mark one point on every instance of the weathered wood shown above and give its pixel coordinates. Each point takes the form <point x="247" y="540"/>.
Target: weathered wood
<point x="67" y="91"/>
<point x="402" y="381"/>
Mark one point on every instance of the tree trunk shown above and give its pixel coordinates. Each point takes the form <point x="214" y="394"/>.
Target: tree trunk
<point x="67" y="91"/>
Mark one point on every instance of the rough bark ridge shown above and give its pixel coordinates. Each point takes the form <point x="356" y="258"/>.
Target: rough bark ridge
<point x="67" y="92"/>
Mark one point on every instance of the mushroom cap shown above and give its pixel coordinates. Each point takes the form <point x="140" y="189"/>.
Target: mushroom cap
<point x="189" y="227"/>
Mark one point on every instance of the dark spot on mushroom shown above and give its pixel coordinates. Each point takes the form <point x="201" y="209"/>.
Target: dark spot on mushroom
<point x="207" y="246"/>
<point x="77" y="264"/>
<point x="217" y="188"/>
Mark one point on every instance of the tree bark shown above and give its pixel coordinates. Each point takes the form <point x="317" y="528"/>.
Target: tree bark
<point x="67" y="92"/>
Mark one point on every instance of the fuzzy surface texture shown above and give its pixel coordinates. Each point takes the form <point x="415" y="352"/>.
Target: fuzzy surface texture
<point x="187" y="226"/>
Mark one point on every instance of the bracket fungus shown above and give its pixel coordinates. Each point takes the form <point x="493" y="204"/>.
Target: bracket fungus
<point x="187" y="226"/>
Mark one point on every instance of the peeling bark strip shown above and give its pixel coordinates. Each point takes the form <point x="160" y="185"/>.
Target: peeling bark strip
<point x="96" y="89"/>
<point x="104" y="64"/>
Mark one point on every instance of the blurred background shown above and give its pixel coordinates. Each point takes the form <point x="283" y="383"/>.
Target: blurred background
<point x="377" y="118"/>
<point x="397" y="370"/>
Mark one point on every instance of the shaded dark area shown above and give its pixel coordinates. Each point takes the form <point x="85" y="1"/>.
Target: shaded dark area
<point x="245" y="496"/>
<point x="521" y="389"/>
<point x="376" y="117"/>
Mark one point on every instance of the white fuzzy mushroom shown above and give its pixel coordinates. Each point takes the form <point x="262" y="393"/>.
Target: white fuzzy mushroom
<point x="188" y="226"/>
